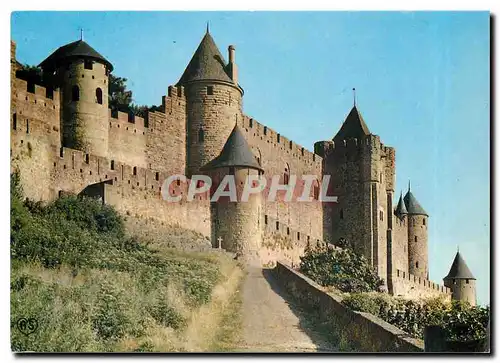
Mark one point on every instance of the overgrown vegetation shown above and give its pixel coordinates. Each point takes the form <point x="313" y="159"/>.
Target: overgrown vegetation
<point x="92" y="288"/>
<point x="351" y="275"/>
<point x="342" y="268"/>
<point x="461" y="322"/>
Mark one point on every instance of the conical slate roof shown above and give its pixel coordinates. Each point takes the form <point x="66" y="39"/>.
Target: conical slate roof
<point x="459" y="269"/>
<point x="353" y="127"/>
<point x="235" y="153"/>
<point x="207" y="63"/>
<point x="412" y="205"/>
<point x="401" y="208"/>
<point x="78" y="49"/>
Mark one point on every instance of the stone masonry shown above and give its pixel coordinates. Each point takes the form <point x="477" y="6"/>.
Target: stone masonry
<point x="66" y="140"/>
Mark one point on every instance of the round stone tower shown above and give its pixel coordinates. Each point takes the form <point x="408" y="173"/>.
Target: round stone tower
<point x="213" y="102"/>
<point x="417" y="237"/>
<point x="236" y="221"/>
<point x="81" y="73"/>
<point x="461" y="281"/>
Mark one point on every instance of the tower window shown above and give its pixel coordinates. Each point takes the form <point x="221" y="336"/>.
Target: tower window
<point x="98" y="95"/>
<point x="381" y="215"/>
<point x="265" y="130"/>
<point x="423" y="221"/>
<point x="316" y="192"/>
<point x="265" y="218"/>
<point x="75" y="93"/>
<point x="285" y="178"/>
<point x="288" y="230"/>
<point x="298" y="236"/>
<point x="112" y="165"/>
<point x="135" y="170"/>
<point x="250" y="123"/>
<point x="415" y="238"/>
<point x="466" y="281"/>
<point x="27" y="126"/>
<point x="416" y="264"/>
<point x="291" y="145"/>
<point x="88" y="64"/>
<point x="278" y="137"/>
<point x="277" y="225"/>
<point x="201" y="135"/>
<point x="341" y="214"/>
<point x="157" y="176"/>
<point x="14" y="121"/>
<point x="87" y="158"/>
<point x="210" y="90"/>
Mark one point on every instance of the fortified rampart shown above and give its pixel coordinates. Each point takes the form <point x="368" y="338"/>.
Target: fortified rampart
<point x="67" y="140"/>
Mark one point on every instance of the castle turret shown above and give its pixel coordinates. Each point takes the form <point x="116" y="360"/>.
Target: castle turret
<point x="361" y="170"/>
<point x="213" y="102"/>
<point x="417" y="237"/>
<point x="461" y="281"/>
<point x="81" y="73"/>
<point x="236" y="223"/>
<point x="401" y="212"/>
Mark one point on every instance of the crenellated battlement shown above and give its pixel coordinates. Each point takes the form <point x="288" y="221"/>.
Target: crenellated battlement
<point x="127" y="121"/>
<point x="420" y="282"/>
<point x="276" y="140"/>
<point x="35" y="94"/>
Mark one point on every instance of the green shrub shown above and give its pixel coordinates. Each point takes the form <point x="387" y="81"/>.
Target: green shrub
<point x="343" y="269"/>
<point x="362" y="302"/>
<point x="460" y="321"/>
<point x="86" y="238"/>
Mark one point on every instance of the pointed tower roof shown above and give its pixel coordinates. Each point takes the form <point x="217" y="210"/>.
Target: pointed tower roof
<point x="235" y="153"/>
<point x="401" y="208"/>
<point x="78" y="49"/>
<point x="459" y="269"/>
<point x="207" y="63"/>
<point x="353" y="127"/>
<point x="412" y="205"/>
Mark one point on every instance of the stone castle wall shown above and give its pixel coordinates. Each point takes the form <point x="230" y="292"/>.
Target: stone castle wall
<point x="415" y="287"/>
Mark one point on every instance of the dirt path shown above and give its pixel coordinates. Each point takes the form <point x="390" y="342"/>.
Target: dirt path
<point x="271" y="323"/>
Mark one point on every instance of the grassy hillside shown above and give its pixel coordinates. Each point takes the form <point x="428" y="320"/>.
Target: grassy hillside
<point x="92" y="288"/>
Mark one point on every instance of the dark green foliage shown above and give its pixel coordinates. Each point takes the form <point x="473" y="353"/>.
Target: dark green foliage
<point x="85" y="237"/>
<point x="460" y="321"/>
<point x="120" y="99"/>
<point x="344" y="269"/>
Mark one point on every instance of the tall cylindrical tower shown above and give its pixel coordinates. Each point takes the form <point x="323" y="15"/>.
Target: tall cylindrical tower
<point x="461" y="281"/>
<point x="236" y="223"/>
<point x="418" y="264"/>
<point x="81" y="73"/>
<point x="213" y="102"/>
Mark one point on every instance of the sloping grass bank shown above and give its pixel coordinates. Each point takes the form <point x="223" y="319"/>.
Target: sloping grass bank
<point x="92" y="289"/>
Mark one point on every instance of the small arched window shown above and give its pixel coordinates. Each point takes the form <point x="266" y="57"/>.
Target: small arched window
<point x="98" y="95"/>
<point x="466" y="281"/>
<point x="201" y="135"/>
<point x="157" y="176"/>
<point x="14" y="121"/>
<point x="423" y="221"/>
<point x="75" y="93"/>
<point x="416" y="264"/>
<point x="135" y="170"/>
<point x="112" y="165"/>
<point x="415" y="238"/>
<point x="286" y="174"/>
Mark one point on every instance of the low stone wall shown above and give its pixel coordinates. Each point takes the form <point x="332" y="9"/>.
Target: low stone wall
<point x="363" y="331"/>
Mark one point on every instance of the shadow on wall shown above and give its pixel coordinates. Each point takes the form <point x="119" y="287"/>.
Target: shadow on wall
<point x="309" y="321"/>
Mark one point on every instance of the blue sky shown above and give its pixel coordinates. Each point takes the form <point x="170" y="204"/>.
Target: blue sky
<point x="422" y="82"/>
